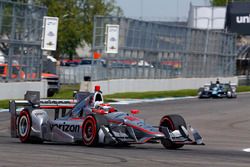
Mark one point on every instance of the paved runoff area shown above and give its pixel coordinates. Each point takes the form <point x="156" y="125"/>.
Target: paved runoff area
<point x="223" y="123"/>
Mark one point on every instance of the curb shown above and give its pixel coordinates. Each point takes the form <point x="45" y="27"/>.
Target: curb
<point x="4" y="110"/>
<point x="134" y="101"/>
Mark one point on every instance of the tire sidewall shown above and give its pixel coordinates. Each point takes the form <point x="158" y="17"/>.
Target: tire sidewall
<point x="169" y="122"/>
<point x="90" y="122"/>
<point x="24" y="117"/>
<point x="172" y="125"/>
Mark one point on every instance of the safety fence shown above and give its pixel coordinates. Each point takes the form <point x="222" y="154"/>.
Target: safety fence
<point x="20" y="41"/>
<point x="152" y="50"/>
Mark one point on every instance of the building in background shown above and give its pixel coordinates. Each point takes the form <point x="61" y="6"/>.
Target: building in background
<point x="207" y="17"/>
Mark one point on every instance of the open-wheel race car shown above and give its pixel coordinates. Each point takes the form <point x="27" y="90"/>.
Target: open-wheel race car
<point x="88" y="120"/>
<point x="218" y="90"/>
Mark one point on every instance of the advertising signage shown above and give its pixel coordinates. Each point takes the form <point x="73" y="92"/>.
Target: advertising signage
<point x="112" y="38"/>
<point x="49" y="37"/>
<point x="238" y="18"/>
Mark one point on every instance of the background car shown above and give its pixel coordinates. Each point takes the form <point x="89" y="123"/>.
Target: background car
<point x="217" y="90"/>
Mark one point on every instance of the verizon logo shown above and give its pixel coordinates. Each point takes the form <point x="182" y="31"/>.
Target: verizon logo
<point x="243" y="19"/>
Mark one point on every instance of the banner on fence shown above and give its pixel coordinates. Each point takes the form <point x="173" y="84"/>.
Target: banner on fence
<point x="49" y="38"/>
<point x="112" y="38"/>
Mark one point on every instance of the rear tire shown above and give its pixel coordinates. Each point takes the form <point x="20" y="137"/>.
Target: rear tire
<point x="50" y="93"/>
<point x="90" y="131"/>
<point x="172" y="122"/>
<point x="24" y="126"/>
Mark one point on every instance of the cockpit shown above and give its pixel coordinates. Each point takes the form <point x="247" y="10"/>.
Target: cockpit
<point x="88" y="103"/>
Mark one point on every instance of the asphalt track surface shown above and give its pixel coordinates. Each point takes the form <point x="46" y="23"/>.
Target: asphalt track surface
<point x="224" y="124"/>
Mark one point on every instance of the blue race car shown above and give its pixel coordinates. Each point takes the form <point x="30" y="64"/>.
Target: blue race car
<point x="218" y="90"/>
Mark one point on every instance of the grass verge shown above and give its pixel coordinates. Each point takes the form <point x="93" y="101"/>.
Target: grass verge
<point x="156" y="94"/>
<point x="243" y="89"/>
<point x="66" y="92"/>
<point x="4" y="103"/>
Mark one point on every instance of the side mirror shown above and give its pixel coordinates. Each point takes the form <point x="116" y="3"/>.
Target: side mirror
<point x="135" y="111"/>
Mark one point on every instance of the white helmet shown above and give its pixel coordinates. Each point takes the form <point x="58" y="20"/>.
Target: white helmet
<point x="97" y="104"/>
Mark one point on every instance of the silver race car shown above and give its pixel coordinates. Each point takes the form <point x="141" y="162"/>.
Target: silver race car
<point x="88" y="120"/>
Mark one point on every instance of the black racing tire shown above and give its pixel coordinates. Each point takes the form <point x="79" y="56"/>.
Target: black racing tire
<point x="50" y="93"/>
<point x="199" y="93"/>
<point x="24" y="126"/>
<point x="172" y="122"/>
<point x="90" y="130"/>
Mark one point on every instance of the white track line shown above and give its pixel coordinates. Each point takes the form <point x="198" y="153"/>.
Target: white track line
<point x="133" y="101"/>
<point x="246" y="150"/>
<point x="4" y="110"/>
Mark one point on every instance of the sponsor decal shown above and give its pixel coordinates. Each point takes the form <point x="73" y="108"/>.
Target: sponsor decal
<point x="112" y="39"/>
<point x="66" y="128"/>
<point x="39" y="113"/>
<point x="243" y="19"/>
<point x="131" y="118"/>
<point x="50" y="43"/>
<point x="51" y="23"/>
<point x="51" y="34"/>
<point x="56" y="102"/>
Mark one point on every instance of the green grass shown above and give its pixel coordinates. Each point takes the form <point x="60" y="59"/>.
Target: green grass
<point x="66" y="92"/>
<point x="161" y="94"/>
<point x="157" y="94"/>
<point x="243" y="89"/>
<point x="4" y="103"/>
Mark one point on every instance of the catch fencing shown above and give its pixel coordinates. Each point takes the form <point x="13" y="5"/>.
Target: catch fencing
<point x="20" y="41"/>
<point x="153" y="50"/>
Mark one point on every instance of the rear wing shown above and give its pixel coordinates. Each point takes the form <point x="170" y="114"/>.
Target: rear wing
<point x="31" y="102"/>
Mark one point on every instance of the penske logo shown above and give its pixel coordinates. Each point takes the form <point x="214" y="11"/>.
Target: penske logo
<point x="66" y="128"/>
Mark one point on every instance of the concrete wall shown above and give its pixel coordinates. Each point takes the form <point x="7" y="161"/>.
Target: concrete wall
<point x="16" y="90"/>
<point x="142" y="85"/>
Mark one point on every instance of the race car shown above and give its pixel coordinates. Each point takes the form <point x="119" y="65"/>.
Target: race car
<point x="218" y="90"/>
<point x="88" y="120"/>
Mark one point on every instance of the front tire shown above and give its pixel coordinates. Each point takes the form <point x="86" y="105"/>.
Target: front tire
<point x="24" y="126"/>
<point x="172" y="122"/>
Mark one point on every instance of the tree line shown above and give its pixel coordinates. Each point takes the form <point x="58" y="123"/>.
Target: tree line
<point x="75" y="20"/>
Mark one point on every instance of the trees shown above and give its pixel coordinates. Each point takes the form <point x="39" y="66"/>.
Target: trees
<point x="225" y="2"/>
<point x="76" y="21"/>
<point x="218" y="2"/>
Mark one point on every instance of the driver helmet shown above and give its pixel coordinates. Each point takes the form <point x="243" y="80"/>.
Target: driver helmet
<point x="217" y="81"/>
<point x="97" y="104"/>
